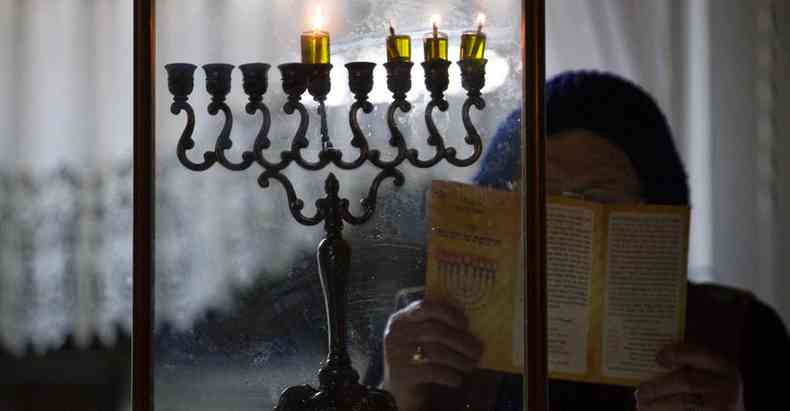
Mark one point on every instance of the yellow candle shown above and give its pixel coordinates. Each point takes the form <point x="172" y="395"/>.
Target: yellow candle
<point x="398" y="46"/>
<point x="315" y="43"/>
<point x="473" y="43"/>
<point x="435" y="43"/>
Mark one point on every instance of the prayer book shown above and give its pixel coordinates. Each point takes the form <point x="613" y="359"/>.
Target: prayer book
<point x="615" y="273"/>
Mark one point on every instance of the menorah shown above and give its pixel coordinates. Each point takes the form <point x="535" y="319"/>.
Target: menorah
<point x="339" y="383"/>
<point x="468" y="279"/>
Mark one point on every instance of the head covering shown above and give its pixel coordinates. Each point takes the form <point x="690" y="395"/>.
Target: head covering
<point x="611" y="107"/>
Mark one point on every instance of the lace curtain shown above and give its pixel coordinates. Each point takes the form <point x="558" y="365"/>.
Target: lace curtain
<point x="65" y="172"/>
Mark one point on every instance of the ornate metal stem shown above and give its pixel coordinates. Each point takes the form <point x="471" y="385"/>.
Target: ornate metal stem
<point x="473" y="80"/>
<point x="399" y="83"/>
<point x="180" y="81"/>
<point x="437" y="80"/>
<point x="361" y="83"/>
<point x="339" y="387"/>
<point x="218" y="85"/>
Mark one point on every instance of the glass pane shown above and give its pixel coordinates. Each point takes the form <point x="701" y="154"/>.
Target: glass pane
<point x="65" y="204"/>
<point x="239" y="305"/>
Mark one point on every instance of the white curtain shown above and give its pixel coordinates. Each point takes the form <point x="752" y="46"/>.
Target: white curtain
<point x="716" y="67"/>
<point x="65" y="172"/>
<point x="718" y="70"/>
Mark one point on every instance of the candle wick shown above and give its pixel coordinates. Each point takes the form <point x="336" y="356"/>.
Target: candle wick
<point x="435" y="31"/>
<point x="392" y="30"/>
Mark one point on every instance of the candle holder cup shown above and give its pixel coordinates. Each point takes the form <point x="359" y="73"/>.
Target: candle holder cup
<point x="294" y="76"/>
<point x="218" y="80"/>
<point x="473" y="75"/>
<point x="255" y="80"/>
<point x="360" y="79"/>
<point x="319" y="83"/>
<point x="399" y="78"/>
<point x="180" y="80"/>
<point x="339" y="387"/>
<point x="437" y="77"/>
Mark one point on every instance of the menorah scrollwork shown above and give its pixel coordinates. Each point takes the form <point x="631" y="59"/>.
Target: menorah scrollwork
<point x="339" y="388"/>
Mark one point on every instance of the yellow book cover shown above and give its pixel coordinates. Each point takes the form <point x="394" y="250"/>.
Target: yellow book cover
<point x="473" y="259"/>
<point x="616" y="280"/>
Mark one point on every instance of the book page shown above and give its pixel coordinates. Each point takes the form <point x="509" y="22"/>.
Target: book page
<point x="645" y="286"/>
<point x="569" y="269"/>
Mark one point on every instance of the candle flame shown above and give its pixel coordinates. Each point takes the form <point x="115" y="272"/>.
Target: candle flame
<point x="481" y="20"/>
<point x="435" y="20"/>
<point x="392" y="28"/>
<point x="318" y="19"/>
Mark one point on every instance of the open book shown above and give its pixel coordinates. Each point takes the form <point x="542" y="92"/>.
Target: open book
<point x="616" y="279"/>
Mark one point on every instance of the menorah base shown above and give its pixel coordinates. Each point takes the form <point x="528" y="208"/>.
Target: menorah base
<point x="350" y="397"/>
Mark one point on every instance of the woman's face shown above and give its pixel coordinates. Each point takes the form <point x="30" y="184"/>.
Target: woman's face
<point x="583" y="164"/>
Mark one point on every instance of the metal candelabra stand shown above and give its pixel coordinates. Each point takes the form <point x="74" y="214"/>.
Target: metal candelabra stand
<point x="339" y="383"/>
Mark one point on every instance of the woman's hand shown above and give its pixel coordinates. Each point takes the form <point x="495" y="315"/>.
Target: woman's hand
<point x="426" y="343"/>
<point x="700" y="380"/>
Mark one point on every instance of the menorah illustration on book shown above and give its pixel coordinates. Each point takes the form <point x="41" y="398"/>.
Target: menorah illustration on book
<point x="468" y="279"/>
<point x="339" y="383"/>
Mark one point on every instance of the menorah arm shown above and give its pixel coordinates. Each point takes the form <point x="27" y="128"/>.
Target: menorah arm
<point x="434" y="138"/>
<point x="262" y="138"/>
<point x="224" y="142"/>
<point x="186" y="143"/>
<point x="472" y="136"/>
<point x="300" y="141"/>
<point x="294" y="203"/>
<point x="396" y="137"/>
<point x="358" y="140"/>
<point x="262" y="141"/>
<point x="369" y="202"/>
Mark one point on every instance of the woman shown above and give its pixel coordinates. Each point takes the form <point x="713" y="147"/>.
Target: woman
<point x="609" y="142"/>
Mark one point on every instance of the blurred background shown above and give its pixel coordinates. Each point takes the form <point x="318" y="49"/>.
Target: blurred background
<point x="239" y="309"/>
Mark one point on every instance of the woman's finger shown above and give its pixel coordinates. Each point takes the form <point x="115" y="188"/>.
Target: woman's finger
<point x="425" y="310"/>
<point x="439" y="354"/>
<point x="430" y="373"/>
<point x="459" y="341"/>
<point x="402" y="338"/>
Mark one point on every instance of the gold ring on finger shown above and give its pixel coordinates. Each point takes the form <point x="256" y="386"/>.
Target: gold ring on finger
<point x="419" y="356"/>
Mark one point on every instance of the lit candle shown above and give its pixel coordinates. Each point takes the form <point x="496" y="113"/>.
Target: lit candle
<point x="435" y="43"/>
<point x="315" y="43"/>
<point x="473" y="43"/>
<point x="398" y="46"/>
